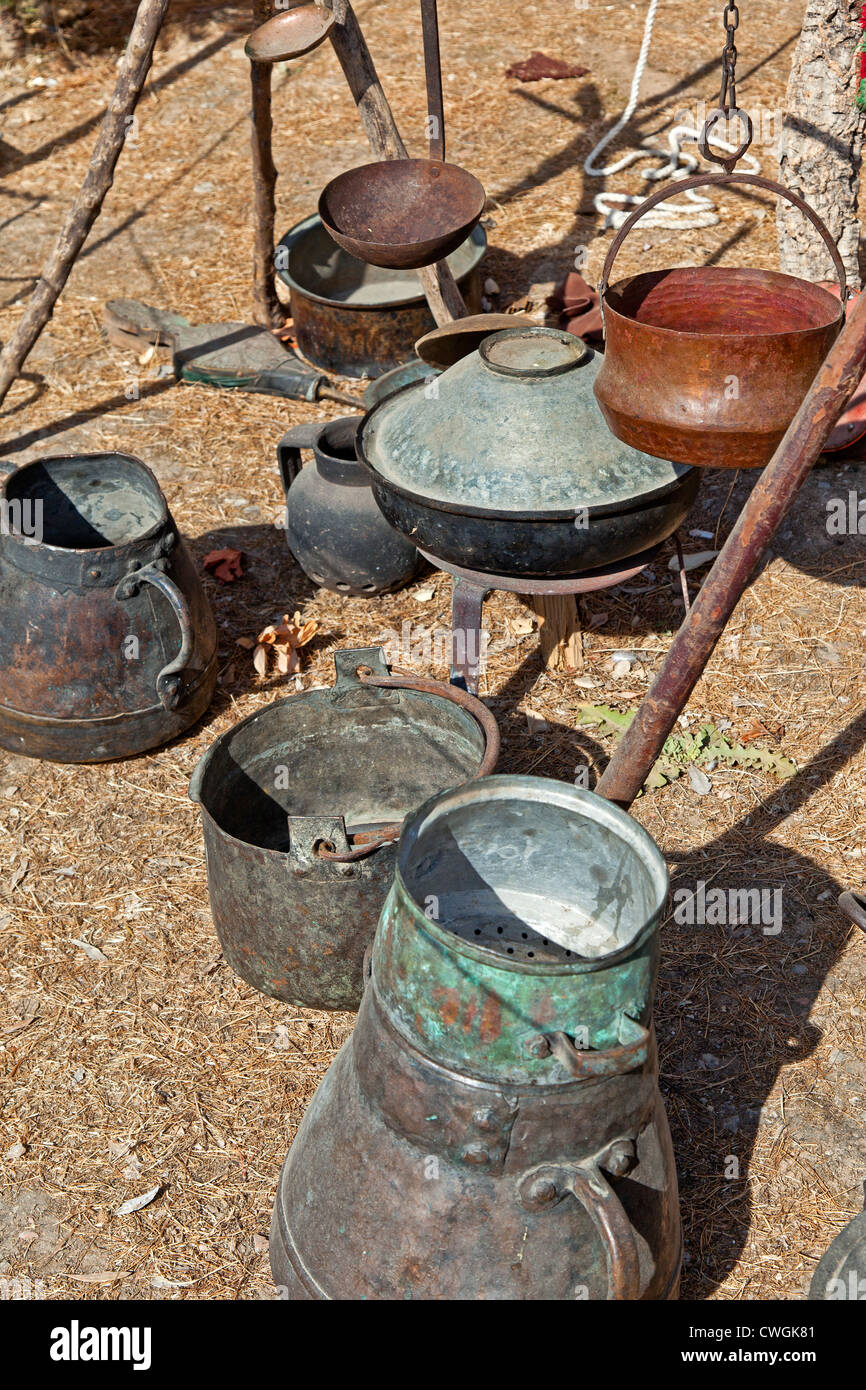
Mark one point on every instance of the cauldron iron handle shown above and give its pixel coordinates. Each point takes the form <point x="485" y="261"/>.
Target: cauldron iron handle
<point x="547" y="1184"/>
<point x="613" y="1061"/>
<point x="289" y="450"/>
<point x="169" y="684"/>
<point x="723" y="181"/>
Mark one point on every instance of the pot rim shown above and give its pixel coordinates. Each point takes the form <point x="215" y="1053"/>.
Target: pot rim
<point x="501" y="787"/>
<point x="84" y="552"/>
<point x="477" y="236"/>
<point x="747" y="272"/>
<point x="199" y="772"/>
<point x="597" y="512"/>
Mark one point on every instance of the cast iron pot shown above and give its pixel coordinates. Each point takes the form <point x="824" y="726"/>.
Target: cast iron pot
<point x="301" y="805"/>
<point x="356" y="319"/>
<point x="334" y="528"/>
<point x="463" y="465"/>
<point x="107" y="643"/>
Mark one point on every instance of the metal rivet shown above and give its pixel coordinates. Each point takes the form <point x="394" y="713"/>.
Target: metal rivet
<point x="538" y="1046"/>
<point x="543" y="1191"/>
<point x="486" y="1119"/>
<point x="96" y="574"/>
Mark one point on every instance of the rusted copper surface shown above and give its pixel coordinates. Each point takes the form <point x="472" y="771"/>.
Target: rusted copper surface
<point x="402" y="213"/>
<point x="107" y="645"/>
<point x="406" y="213"/>
<point x="358" y="319"/>
<point x="299" y="30"/>
<point x="758" y="522"/>
<point x="709" y="365"/>
<point x="294" y="917"/>
<point x="464" y="1145"/>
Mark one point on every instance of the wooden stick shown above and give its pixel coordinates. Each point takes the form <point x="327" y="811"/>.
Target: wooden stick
<point x="268" y="311"/>
<point x="561" y="635"/>
<point x="439" y="286"/>
<point x="134" y="67"/>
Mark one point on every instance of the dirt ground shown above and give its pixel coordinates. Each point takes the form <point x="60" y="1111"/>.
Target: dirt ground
<point x="155" y="1066"/>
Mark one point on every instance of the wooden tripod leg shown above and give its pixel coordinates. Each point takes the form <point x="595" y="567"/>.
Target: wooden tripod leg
<point x="134" y="67"/>
<point x="561" y="634"/>
<point x="439" y="286"/>
<point x="268" y="310"/>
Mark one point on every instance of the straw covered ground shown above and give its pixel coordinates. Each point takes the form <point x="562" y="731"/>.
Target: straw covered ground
<point x="132" y="1057"/>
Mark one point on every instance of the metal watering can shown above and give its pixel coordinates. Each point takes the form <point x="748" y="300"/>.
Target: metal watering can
<point x="494" y="1129"/>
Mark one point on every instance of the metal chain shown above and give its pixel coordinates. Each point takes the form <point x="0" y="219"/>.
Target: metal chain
<point x="728" y="97"/>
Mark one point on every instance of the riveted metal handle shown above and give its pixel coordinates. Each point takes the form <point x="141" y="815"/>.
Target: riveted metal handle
<point x="854" y="907"/>
<point x="724" y="181"/>
<point x="387" y="834"/>
<point x="632" y="1052"/>
<point x="545" y="1186"/>
<point x="169" y="685"/>
<point x="289" y="450"/>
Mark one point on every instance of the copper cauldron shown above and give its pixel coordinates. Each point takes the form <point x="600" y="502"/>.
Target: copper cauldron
<point x="708" y="365"/>
<point x="108" y="645"/>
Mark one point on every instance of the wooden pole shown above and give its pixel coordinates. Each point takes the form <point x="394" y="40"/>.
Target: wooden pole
<point x="268" y="310"/>
<point x="742" y="552"/>
<point x="561" y="635"/>
<point x="439" y="286"/>
<point x="134" y="67"/>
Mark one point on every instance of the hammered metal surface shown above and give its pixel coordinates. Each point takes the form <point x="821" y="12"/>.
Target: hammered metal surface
<point x="532" y="440"/>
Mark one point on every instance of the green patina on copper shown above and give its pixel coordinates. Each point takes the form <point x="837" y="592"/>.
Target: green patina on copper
<point x="476" y="1009"/>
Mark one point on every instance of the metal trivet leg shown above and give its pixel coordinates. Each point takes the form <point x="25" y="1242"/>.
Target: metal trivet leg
<point x="467" y="603"/>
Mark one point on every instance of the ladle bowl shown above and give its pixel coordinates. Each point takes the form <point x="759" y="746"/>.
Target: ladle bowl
<point x="402" y="213"/>
<point x="289" y="35"/>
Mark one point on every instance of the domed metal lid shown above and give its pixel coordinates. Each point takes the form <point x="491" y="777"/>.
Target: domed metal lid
<point x="512" y="427"/>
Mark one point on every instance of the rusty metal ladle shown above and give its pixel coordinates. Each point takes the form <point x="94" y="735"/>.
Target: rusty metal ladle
<point x="406" y="213"/>
<point x="299" y="29"/>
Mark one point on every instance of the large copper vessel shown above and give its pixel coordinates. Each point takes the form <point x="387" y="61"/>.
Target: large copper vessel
<point x="494" y="1129"/>
<point x="708" y="365"/>
<point x="108" y="645"/>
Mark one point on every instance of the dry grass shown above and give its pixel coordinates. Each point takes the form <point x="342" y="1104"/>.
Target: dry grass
<point x="156" y="1066"/>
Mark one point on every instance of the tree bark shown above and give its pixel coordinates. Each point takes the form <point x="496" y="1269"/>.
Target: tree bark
<point x="268" y="311"/>
<point x="134" y="67"/>
<point x="822" y="142"/>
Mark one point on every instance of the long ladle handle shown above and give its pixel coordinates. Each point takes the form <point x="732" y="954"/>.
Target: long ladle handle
<point x="722" y="181"/>
<point x="433" y="70"/>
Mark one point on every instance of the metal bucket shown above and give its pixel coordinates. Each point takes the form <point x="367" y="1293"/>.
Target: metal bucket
<point x="301" y="807"/>
<point x="493" y="1129"/>
<point x="356" y="319"/>
<point x="107" y="645"/>
<point x="709" y="365"/>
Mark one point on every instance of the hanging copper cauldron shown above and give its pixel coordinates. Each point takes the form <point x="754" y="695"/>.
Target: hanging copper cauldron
<point x="107" y="645"/>
<point x="494" y="1128"/>
<point x="709" y="365"/>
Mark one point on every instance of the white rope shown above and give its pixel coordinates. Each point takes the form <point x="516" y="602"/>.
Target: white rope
<point x="699" y="211"/>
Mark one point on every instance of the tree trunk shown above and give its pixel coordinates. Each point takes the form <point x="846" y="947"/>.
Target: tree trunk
<point x="822" y="141"/>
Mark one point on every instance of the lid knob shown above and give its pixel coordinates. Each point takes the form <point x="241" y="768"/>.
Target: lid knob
<point x="533" y="353"/>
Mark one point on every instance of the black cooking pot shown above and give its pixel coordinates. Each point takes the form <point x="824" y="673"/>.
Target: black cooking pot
<point x="504" y="464"/>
